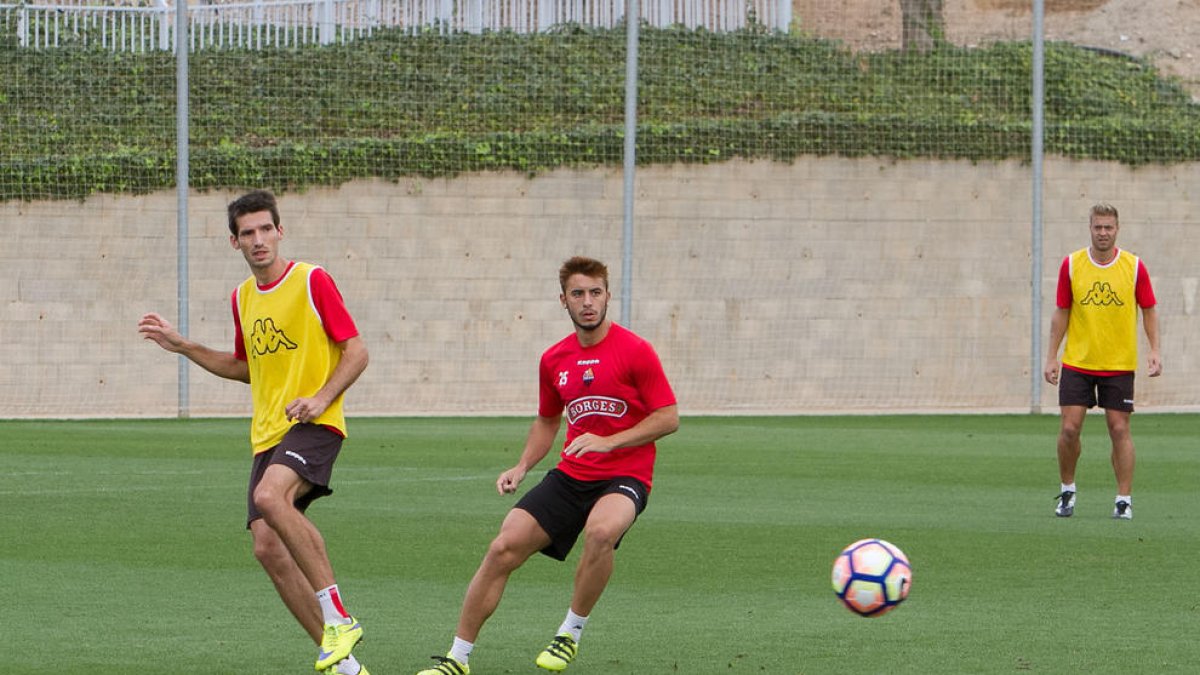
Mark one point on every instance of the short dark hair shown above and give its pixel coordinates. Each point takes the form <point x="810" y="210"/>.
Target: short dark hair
<point x="252" y="202"/>
<point x="588" y="267"/>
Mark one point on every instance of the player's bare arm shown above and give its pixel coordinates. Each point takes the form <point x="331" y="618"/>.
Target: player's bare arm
<point x="657" y="424"/>
<point x="352" y="364"/>
<point x="541" y="437"/>
<point x="1058" y="330"/>
<point x="158" y="330"/>
<point x="1150" y="324"/>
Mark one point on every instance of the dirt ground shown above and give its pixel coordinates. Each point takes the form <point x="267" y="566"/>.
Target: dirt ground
<point x="1161" y="31"/>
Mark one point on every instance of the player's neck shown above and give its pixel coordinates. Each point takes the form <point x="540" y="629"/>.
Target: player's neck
<point x="589" y="337"/>
<point x="1103" y="257"/>
<point x="269" y="275"/>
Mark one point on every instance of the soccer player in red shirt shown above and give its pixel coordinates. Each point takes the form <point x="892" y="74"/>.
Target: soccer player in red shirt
<point x="299" y="350"/>
<point x="1100" y="289"/>
<point x="617" y="401"/>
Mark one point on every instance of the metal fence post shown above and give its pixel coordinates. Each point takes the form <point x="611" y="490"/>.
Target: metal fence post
<point x="22" y="25"/>
<point x="470" y="15"/>
<point x="327" y="27"/>
<point x="1036" y="152"/>
<point x="632" y="17"/>
<point x="182" y="163"/>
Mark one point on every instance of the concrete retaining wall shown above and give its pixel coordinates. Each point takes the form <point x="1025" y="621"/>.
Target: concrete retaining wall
<point x="820" y="286"/>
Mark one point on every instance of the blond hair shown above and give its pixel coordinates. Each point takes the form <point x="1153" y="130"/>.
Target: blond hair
<point x="1105" y="209"/>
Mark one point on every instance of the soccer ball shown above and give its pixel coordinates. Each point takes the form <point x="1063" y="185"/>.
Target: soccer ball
<point x="871" y="577"/>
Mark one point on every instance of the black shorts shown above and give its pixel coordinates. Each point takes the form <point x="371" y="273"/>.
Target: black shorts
<point x="1112" y="392"/>
<point x="307" y="449"/>
<point x="561" y="505"/>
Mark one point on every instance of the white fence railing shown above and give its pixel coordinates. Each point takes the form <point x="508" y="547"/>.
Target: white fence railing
<point x="264" y="23"/>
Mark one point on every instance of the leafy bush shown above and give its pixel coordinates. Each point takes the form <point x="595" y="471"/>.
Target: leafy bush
<point x="77" y="121"/>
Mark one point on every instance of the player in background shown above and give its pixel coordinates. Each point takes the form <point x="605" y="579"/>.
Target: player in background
<point x="618" y="402"/>
<point x="1099" y="291"/>
<point x="299" y="349"/>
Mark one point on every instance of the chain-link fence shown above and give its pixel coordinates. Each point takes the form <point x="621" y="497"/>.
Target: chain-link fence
<point x="820" y="185"/>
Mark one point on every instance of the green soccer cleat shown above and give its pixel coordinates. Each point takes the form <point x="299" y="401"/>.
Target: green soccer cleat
<point x="559" y="654"/>
<point x="337" y="642"/>
<point x="446" y="665"/>
<point x="333" y="670"/>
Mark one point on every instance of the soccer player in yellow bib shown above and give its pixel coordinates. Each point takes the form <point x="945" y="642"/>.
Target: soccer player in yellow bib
<point x="1100" y="289"/>
<point x="299" y="349"/>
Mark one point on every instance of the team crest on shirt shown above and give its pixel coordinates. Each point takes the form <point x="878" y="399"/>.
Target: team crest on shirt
<point x="587" y="406"/>
<point x="267" y="339"/>
<point x="588" y="376"/>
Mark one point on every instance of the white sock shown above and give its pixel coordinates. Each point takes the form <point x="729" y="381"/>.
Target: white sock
<point x="331" y="606"/>
<point x="1068" y="487"/>
<point x="349" y="666"/>
<point x="461" y="650"/>
<point x="1124" y="498"/>
<point x="573" y="625"/>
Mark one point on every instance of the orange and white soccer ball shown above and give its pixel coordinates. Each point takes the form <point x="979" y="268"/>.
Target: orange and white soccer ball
<point x="871" y="577"/>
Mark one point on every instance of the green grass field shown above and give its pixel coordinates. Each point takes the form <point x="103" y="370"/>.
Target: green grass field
<point x="124" y="550"/>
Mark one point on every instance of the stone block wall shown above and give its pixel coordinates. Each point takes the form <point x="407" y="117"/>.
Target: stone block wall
<point x="826" y="285"/>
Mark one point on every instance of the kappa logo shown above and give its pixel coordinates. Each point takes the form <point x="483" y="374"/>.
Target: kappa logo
<point x="1102" y="294"/>
<point x="267" y="339"/>
<point x="595" y="405"/>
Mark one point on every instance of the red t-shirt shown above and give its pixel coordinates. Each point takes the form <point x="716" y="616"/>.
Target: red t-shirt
<point x="604" y="389"/>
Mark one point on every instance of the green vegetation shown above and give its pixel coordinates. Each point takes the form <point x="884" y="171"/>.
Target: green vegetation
<point x="125" y="539"/>
<point x="77" y="121"/>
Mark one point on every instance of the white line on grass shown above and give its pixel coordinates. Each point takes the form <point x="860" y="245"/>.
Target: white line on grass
<point x="107" y="489"/>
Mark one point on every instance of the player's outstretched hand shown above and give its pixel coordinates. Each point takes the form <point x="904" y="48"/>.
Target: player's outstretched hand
<point x="155" y="328"/>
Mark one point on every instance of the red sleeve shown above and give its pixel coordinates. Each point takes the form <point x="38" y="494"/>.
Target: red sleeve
<point x="1142" y="289"/>
<point x="653" y="386"/>
<point x="336" y="319"/>
<point x="1064" y="284"/>
<point x="550" y="403"/>
<point x="239" y="340"/>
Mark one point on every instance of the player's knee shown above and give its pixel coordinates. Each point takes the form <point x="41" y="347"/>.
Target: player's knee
<point x="1070" y="432"/>
<point x="268" y="501"/>
<point x="601" y="536"/>
<point x="504" y="554"/>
